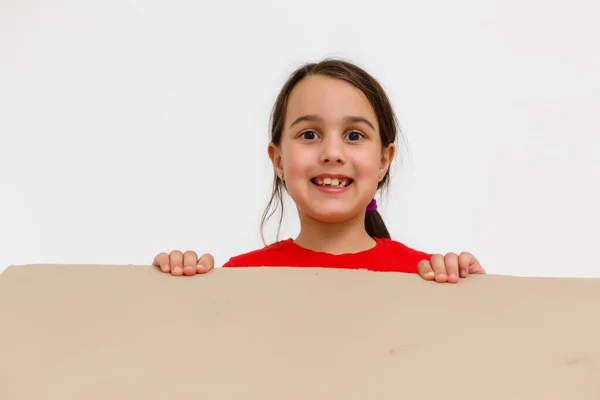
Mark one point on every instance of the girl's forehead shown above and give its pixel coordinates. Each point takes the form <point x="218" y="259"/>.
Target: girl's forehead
<point x="329" y="98"/>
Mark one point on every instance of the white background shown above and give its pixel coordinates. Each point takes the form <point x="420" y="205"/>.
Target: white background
<point x="133" y="127"/>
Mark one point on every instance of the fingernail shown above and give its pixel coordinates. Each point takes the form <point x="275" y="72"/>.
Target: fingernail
<point x="177" y="270"/>
<point x="165" y="268"/>
<point x="452" y="276"/>
<point x="429" y="275"/>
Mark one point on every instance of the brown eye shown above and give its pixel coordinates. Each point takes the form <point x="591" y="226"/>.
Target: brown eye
<point x="309" y="135"/>
<point x="355" y="135"/>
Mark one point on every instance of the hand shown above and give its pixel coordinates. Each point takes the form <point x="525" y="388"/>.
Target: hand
<point x="449" y="267"/>
<point x="188" y="263"/>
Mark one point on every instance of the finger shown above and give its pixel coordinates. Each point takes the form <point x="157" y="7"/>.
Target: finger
<point x="190" y="258"/>
<point x="463" y="265"/>
<point x="425" y="270"/>
<point x="162" y="261"/>
<point x="176" y="259"/>
<point x="205" y="263"/>
<point x="451" y="261"/>
<point x="439" y="267"/>
<point x="470" y="264"/>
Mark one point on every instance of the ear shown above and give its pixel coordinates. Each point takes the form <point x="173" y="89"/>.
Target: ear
<point x="275" y="156"/>
<point x="387" y="156"/>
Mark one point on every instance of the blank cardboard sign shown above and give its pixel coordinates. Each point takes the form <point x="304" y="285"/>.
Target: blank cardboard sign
<point x="132" y="332"/>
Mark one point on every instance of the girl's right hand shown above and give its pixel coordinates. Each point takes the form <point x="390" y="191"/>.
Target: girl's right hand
<point x="188" y="263"/>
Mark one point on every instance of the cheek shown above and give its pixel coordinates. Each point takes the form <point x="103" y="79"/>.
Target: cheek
<point x="366" y="164"/>
<point x="297" y="163"/>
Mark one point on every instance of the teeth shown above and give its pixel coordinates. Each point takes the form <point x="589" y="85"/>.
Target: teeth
<point x="332" y="182"/>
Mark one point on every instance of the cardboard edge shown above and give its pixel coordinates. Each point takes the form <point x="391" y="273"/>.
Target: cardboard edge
<point x="95" y="265"/>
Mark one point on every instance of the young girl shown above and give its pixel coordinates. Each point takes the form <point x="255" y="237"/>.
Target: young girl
<point x="333" y="134"/>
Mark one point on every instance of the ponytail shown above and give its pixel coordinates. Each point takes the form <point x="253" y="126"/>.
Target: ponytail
<point x="375" y="226"/>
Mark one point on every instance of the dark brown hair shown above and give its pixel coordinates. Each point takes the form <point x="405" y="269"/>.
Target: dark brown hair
<point x="388" y="127"/>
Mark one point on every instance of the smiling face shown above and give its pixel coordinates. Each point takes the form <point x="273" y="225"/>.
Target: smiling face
<point x="330" y="154"/>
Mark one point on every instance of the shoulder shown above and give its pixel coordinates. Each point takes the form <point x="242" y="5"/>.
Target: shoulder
<point x="394" y="256"/>
<point x="257" y="257"/>
<point x="397" y="248"/>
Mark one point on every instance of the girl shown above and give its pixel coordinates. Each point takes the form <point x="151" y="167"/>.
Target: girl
<point x="333" y="134"/>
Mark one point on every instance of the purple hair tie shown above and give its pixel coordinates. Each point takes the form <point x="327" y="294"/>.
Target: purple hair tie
<point x="372" y="206"/>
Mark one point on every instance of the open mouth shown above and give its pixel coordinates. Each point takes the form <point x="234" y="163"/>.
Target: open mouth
<point x="332" y="182"/>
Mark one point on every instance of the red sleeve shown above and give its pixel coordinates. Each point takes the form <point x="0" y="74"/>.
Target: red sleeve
<point x="411" y="257"/>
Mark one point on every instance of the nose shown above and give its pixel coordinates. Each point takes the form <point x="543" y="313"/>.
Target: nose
<point x="333" y="151"/>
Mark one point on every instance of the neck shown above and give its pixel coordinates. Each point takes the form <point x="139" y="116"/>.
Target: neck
<point x="336" y="238"/>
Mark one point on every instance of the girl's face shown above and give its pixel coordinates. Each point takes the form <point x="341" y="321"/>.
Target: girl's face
<point x="330" y="155"/>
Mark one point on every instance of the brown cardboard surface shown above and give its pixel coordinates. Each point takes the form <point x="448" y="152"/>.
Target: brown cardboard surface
<point x="131" y="332"/>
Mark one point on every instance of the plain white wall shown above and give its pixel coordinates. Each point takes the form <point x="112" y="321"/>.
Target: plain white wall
<point x="133" y="127"/>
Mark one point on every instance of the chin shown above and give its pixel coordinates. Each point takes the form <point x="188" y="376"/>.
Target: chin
<point x="332" y="216"/>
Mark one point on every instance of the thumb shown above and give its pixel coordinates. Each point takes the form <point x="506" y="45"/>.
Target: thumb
<point x="205" y="263"/>
<point x="425" y="270"/>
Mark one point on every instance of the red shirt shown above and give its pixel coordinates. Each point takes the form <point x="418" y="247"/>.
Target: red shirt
<point x="387" y="256"/>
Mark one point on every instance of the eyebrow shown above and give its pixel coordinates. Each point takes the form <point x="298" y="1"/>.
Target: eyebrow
<point x="346" y="120"/>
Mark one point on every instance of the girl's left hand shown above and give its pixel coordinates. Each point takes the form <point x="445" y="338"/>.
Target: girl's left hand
<point x="449" y="267"/>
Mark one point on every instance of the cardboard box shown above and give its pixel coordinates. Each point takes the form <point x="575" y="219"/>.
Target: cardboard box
<point x="132" y="332"/>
